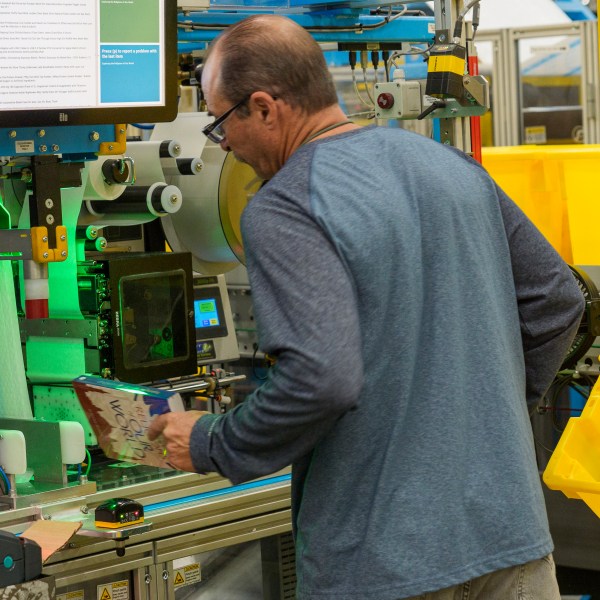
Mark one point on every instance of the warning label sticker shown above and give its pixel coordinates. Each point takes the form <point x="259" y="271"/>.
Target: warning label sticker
<point x="74" y="595"/>
<point x="105" y="594"/>
<point x="187" y="575"/>
<point x="116" y="590"/>
<point x="536" y="135"/>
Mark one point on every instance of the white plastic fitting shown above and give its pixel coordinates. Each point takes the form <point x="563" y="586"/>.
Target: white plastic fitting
<point x="13" y="452"/>
<point x="72" y="442"/>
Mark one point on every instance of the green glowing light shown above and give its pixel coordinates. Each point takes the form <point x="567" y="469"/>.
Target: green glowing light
<point x="5" y="222"/>
<point x="133" y="390"/>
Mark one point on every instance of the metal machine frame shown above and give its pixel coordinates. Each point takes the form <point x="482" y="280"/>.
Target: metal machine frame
<point x="506" y="84"/>
<point x="189" y="513"/>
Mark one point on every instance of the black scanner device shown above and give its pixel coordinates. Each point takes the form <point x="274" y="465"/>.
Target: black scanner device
<point x="20" y="559"/>
<point x="119" y="512"/>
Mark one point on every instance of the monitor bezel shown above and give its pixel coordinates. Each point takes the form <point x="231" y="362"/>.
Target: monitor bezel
<point x="15" y="119"/>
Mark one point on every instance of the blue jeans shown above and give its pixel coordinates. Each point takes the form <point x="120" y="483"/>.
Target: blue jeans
<point x="535" y="580"/>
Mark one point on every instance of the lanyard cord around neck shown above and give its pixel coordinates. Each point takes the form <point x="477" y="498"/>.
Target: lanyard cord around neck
<point x="325" y="130"/>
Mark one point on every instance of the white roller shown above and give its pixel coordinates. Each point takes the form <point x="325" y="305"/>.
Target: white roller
<point x="170" y="200"/>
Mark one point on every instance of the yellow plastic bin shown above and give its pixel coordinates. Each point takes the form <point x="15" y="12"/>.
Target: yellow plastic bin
<point x="574" y="467"/>
<point x="557" y="187"/>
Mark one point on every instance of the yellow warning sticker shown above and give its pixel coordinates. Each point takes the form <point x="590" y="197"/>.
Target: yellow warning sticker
<point x="187" y="575"/>
<point x="536" y="134"/>
<point x="116" y="590"/>
<point x="74" y="595"/>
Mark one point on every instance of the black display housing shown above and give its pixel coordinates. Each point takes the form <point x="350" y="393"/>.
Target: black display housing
<point x="144" y="306"/>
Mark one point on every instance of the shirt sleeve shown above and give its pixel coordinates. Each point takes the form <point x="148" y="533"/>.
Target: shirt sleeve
<point x="306" y="314"/>
<point x="549" y="300"/>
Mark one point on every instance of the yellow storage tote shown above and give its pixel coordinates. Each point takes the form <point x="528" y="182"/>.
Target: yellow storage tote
<point x="574" y="467"/>
<point x="557" y="188"/>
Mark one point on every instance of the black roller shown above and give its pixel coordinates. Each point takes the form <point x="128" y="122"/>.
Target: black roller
<point x="169" y="149"/>
<point x="184" y="166"/>
<point x="156" y="200"/>
<point x="115" y="171"/>
<point x="181" y="166"/>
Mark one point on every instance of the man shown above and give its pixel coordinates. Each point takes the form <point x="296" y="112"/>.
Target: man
<point x="414" y="312"/>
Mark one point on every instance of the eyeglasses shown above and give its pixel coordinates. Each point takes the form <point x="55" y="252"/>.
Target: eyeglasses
<point x="214" y="131"/>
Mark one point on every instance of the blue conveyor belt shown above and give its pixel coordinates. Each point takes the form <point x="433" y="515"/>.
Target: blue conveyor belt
<point x="222" y="492"/>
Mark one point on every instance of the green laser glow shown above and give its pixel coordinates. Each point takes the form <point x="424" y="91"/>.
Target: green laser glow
<point x="133" y="390"/>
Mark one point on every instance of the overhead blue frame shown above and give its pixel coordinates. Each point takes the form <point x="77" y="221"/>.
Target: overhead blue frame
<point x="575" y="10"/>
<point x="402" y="29"/>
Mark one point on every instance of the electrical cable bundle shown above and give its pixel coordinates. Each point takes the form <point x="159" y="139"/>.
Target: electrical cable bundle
<point x="557" y="401"/>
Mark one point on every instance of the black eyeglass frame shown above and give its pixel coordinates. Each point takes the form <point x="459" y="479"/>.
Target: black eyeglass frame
<point x="209" y="130"/>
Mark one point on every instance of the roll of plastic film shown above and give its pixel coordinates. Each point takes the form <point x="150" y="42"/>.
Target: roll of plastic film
<point x="97" y="188"/>
<point x="147" y="157"/>
<point x="36" y="298"/>
<point x="14" y="397"/>
<point x="37" y="290"/>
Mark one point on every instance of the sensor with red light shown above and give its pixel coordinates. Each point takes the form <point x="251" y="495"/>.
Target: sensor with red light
<point x="119" y="512"/>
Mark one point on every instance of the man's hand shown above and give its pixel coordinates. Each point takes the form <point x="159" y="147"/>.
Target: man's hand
<point x="176" y="429"/>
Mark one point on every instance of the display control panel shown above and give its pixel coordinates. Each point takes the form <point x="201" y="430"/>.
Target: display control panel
<point x="215" y="334"/>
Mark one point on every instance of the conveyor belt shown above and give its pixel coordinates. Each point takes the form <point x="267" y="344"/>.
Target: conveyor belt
<point x="228" y="490"/>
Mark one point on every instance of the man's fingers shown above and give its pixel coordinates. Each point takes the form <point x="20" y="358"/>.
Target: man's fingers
<point x="156" y="427"/>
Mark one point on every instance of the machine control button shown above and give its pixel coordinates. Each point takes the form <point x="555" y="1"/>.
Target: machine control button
<point x="385" y="100"/>
<point x="8" y="562"/>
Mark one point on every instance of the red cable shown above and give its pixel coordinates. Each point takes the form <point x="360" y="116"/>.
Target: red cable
<point x="475" y="121"/>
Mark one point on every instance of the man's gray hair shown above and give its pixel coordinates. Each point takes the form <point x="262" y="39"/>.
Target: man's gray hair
<point x="271" y="53"/>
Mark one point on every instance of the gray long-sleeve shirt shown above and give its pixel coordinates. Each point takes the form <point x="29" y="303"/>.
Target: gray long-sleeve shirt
<point x="413" y="310"/>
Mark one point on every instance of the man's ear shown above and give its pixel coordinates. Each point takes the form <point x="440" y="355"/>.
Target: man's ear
<point x="265" y="106"/>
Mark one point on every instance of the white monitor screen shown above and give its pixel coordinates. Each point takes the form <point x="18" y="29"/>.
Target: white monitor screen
<point x="72" y="62"/>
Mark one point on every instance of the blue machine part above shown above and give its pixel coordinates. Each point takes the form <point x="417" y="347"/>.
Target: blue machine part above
<point x="80" y="142"/>
<point x="342" y="26"/>
<point x="575" y="10"/>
